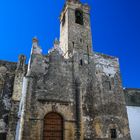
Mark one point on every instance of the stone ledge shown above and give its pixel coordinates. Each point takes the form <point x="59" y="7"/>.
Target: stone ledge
<point x="53" y="101"/>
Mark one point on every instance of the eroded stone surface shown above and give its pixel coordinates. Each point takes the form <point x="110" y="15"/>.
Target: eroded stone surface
<point x="7" y="74"/>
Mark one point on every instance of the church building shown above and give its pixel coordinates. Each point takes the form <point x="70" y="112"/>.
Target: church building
<point x="72" y="93"/>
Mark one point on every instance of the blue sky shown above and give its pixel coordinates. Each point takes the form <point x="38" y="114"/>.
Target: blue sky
<point x="115" y="30"/>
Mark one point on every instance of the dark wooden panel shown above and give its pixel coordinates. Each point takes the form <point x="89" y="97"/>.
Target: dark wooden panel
<point x="2" y="136"/>
<point x="53" y="127"/>
<point x="52" y="138"/>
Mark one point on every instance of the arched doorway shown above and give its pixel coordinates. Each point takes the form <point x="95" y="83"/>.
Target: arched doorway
<point x="53" y="127"/>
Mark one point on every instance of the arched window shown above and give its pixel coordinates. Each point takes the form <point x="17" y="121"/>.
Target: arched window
<point x="79" y="17"/>
<point x="53" y="127"/>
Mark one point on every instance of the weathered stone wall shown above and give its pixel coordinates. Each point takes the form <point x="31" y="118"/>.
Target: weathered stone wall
<point x="89" y="96"/>
<point x="7" y="74"/>
<point x="132" y="96"/>
<point x="50" y="89"/>
<point x="16" y="97"/>
<point x="109" y="104"/>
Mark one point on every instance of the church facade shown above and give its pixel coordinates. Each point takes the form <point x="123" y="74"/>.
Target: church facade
<point x="72" y="93"/>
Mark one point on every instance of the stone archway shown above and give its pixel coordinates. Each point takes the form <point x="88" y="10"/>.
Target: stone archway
<point x="53" y="127"/>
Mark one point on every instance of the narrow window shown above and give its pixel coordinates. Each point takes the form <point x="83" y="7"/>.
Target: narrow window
<point x="1" y="85"/>
<point x="63" y="20"/>
<point x="73" y="48"/>
<point x="81" y="62"/>
<point x="73" y="44"/>
<point x="107" y="85"/>
<point x="87" y="50"/>
<point x="113" y="133"/>
<point x="88" y="53"/>
<point x="79" y="17"/>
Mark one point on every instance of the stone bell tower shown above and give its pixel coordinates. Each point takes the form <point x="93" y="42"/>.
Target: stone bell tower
<point x="75" y="30"/>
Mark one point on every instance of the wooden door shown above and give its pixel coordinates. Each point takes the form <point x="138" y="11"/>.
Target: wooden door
<point x="53" y="127"/>
<point x="2" y="136"/>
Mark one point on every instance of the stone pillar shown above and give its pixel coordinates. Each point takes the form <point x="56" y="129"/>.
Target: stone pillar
<point x="16" y="97"/>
